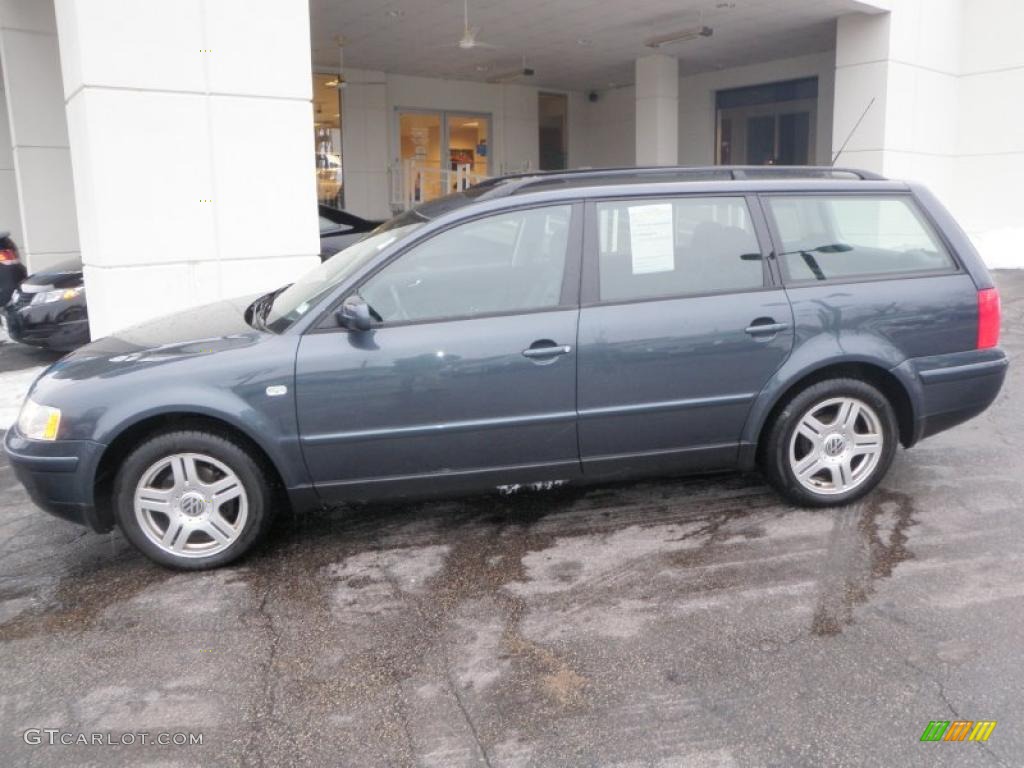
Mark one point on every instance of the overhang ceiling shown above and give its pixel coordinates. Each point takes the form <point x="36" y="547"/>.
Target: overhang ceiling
<point x="572" y="44"/>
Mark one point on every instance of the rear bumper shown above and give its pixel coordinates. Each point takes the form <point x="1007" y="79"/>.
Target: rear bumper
<point x="58" y="476"/>
<point x="953" y="388"/>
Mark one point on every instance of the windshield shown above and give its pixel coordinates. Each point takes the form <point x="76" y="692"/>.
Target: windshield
<point x="295" y="301"/>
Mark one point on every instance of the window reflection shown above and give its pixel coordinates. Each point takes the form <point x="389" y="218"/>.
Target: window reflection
<point x="327" y="140"/>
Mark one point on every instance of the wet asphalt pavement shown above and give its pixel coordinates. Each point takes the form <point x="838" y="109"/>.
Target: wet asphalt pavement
<point x="695" y="622"/>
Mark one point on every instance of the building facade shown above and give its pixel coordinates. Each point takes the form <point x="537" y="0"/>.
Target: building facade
<point x="179" y="149"/>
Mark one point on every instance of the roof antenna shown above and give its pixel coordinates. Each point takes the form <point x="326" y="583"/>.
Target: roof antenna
<point x="853" y="130"/>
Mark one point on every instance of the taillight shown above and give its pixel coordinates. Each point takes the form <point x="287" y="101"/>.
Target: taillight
<point x="8" y="256"/>
<point x="988" y="318"/>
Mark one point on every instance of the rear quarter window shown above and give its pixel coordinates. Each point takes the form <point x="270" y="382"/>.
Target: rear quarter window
<point x="855" y="236"/>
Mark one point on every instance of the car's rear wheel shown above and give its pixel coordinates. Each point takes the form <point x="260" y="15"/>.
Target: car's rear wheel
<point x="192" y="499"/>
<point x="831" y="443"/>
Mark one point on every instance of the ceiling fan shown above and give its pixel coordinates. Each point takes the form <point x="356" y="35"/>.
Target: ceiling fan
<point x="468" y="41"/>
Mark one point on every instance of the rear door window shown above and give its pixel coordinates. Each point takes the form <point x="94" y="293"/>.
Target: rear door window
<point x="855" y="236"/>
<point x="651" y="248"/>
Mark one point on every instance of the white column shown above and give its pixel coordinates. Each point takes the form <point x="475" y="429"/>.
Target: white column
<point x="516" y="134"/>
<point x="364" y="144"/>
<point x="191" y="128"/>
<point x="908" y="61"/>
<point x="990" y="156"/>
<point x="36" y="194"/>
<point x="657" y="110"/>
<point x="10" y="213"/>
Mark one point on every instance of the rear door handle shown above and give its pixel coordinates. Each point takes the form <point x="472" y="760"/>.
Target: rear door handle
<point x="547" y="350"/>
<point x="765" y="328"/>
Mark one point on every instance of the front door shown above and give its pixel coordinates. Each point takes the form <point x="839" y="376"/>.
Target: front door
<point x="681" y="328"/>
<point x="468" y="380"/>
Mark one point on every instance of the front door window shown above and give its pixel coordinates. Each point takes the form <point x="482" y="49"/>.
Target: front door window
<point x="503" y="264"/>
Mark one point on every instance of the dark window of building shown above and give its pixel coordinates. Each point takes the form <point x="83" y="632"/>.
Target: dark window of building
<point x="553" y="121"/>
<point x="771" y="124"/>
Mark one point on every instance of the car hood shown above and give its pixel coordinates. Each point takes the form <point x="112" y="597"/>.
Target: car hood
<point x="65" y="274"/>
<point x="198" y="332"/>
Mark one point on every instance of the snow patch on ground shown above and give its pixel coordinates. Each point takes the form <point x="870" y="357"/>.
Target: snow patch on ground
<point x="14" y="386"/>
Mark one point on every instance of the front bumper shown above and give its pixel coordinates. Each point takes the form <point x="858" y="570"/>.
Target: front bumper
<point x="953" y="388"/>
<point x="59" y="476"/>
<point x="60" y="326"/>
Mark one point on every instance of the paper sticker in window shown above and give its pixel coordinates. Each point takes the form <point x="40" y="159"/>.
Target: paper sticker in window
<point x="650" y="238"/>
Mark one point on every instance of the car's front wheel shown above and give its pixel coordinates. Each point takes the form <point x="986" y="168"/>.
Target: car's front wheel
<point x="192" y="499"/>
<point x="831" y="443"/>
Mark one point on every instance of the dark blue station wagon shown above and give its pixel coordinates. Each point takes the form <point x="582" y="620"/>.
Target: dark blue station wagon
<point x="541" y="329"/>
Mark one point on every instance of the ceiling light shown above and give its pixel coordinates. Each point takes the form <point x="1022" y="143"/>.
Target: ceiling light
<point x="690" y="33"/>
<point x="482" y="67"/>
<point x="584" y="41"/>
<point x="395" y="13"/>
<point x="512" y="74"/>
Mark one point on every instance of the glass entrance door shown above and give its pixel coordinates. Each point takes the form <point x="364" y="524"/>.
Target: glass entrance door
<point x="420" y="152"/>
<point x="467" y="142"/>
<point x="438" y="151"/>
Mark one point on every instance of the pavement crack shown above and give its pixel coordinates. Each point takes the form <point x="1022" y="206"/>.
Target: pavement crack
<point x="454" y="688"/>
<point x="940" y="687"/>
<point x="265" y="707"/>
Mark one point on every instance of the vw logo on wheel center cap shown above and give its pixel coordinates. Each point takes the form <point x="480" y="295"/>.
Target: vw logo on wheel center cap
<point x="193" y="505"/>
<point x="834" y="445"/>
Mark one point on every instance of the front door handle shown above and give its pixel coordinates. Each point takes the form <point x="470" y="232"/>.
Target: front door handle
<point x="765" y="326"/>
<point x="543" y="349"/>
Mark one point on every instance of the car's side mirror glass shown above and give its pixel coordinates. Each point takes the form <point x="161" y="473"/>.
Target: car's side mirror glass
<point x="354" y="314"/>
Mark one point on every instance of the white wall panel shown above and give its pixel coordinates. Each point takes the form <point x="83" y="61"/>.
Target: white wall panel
<point x="142" y="180"/>
<point x="262" y="198"/>
<point x="40" y="206"/>
<point x="258" y="47"/>
<point x="191" y="132"/>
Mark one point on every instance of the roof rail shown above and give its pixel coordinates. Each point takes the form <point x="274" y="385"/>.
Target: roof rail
<point x="733" y="172"/>
<point x="800" y="171"/>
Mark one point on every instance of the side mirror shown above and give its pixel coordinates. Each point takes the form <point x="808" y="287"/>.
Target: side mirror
<point x="354" y="314"/>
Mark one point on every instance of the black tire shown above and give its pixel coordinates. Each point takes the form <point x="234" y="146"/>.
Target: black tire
<point x="253" y="476"/>
<point x="775" y="456"/>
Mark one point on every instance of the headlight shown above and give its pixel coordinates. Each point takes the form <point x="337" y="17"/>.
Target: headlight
<point x="48" y="297"/>
<point x="38" y="422"/>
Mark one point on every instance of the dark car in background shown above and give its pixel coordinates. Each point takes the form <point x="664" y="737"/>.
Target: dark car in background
<point x="535" y="331"/>
<point x="48" y="309"/>
<point x="12" y="271"/>
<point x="339" y="229"/>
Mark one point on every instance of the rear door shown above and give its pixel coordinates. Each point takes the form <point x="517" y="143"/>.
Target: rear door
<point x="682" y="324"/>
<point x="871" y="271"/>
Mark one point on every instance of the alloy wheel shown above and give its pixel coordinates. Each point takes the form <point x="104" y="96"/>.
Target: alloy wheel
<point x="191" y="505"/>
<point x="836" y="446"/>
